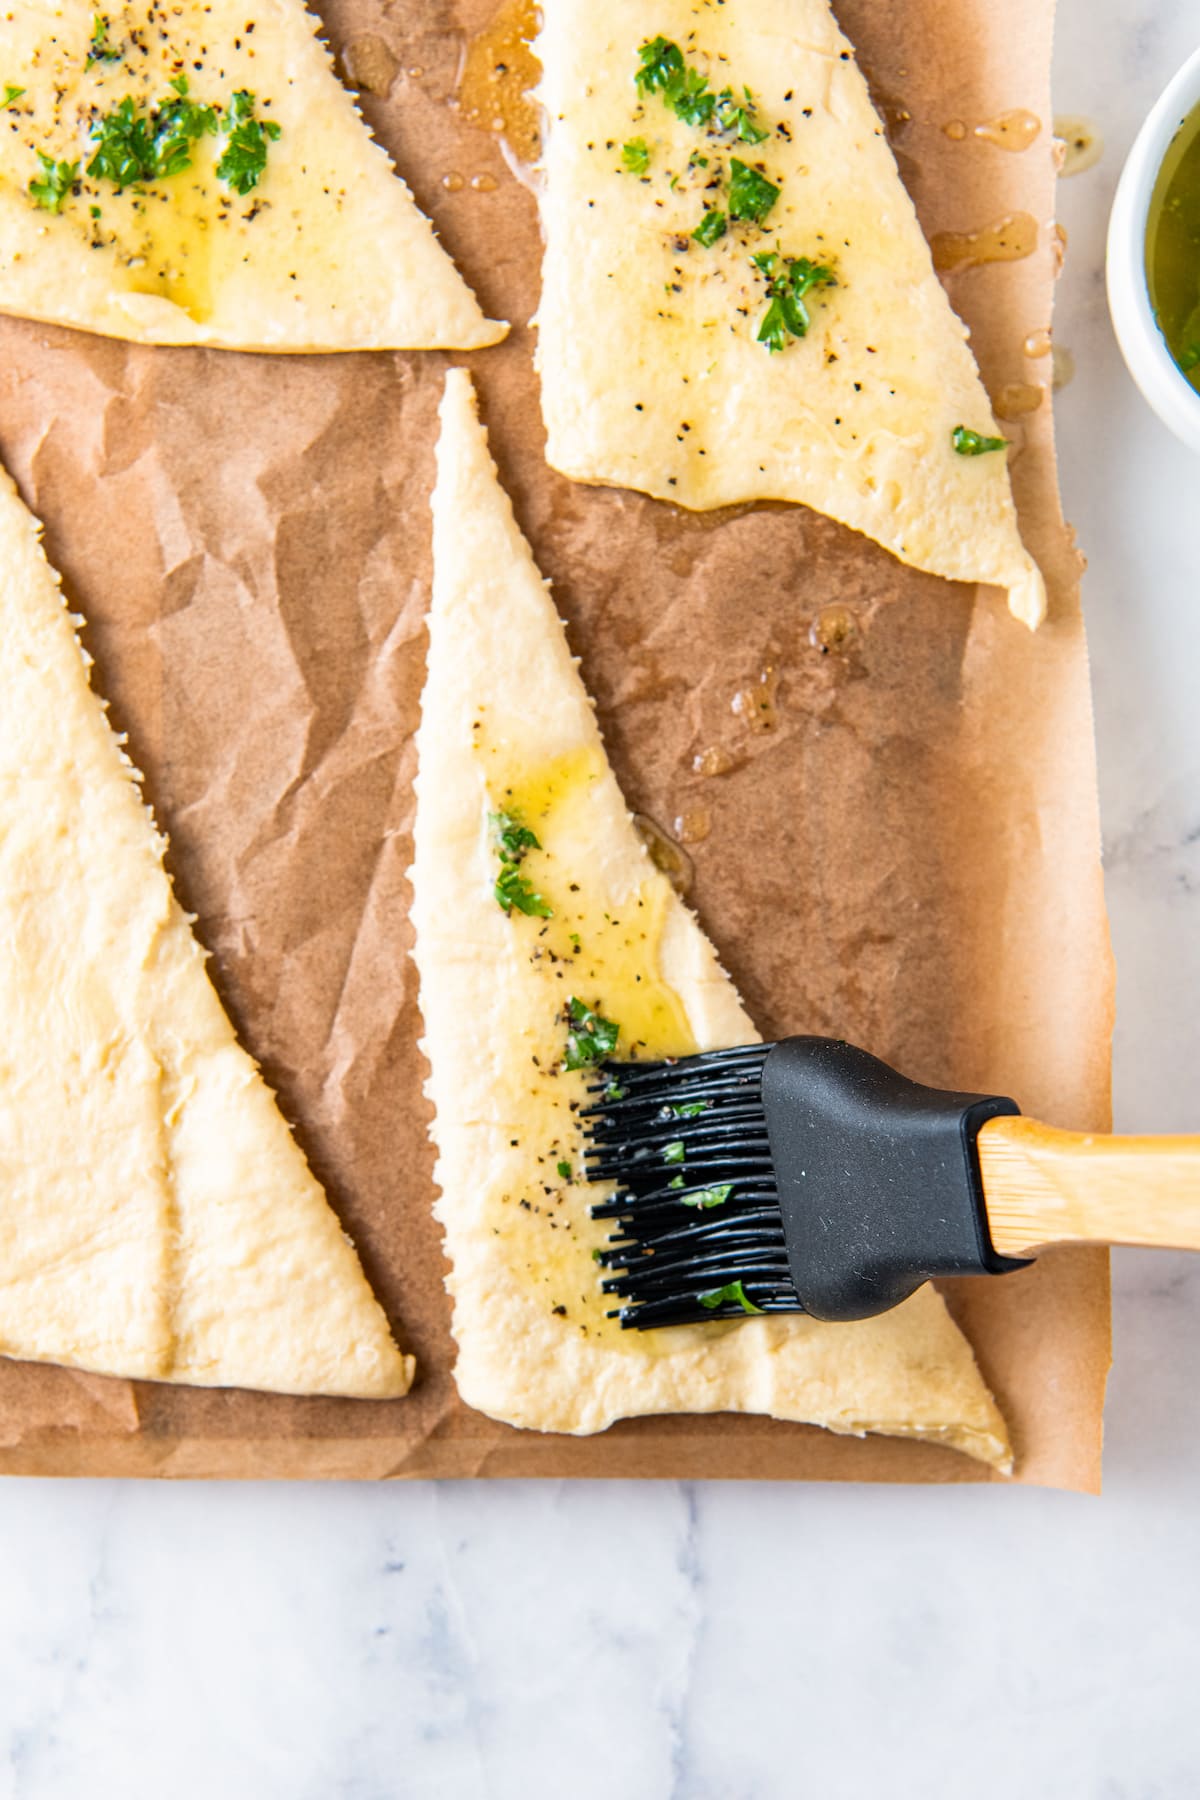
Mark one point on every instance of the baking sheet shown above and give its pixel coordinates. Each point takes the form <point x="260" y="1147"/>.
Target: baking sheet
<point x="909" y="857"/>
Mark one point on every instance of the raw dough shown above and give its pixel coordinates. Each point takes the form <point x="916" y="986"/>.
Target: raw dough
<point x="652" y="375"/>
<point x="157" y="1219"/>
<point x="327" y="252"/>
<point x="506" y="724"/>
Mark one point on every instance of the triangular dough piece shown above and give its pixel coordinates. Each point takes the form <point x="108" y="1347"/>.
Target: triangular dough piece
<point x="508" y="726"/>
<point x="652" y="375"/>
<point x="327" y="252"/>
<point x="157" y="1219"/>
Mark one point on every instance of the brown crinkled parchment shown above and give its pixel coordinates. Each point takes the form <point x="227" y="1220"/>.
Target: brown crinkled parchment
<point x="909" y="857"/>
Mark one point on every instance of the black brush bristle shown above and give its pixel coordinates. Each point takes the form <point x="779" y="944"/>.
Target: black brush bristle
<point x="696" y="1211"/>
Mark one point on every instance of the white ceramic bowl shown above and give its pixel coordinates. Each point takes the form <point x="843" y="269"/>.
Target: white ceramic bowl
<point x="1143" y="346"/>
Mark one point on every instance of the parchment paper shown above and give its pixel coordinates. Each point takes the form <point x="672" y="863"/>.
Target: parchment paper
<point x="910" y="858"/>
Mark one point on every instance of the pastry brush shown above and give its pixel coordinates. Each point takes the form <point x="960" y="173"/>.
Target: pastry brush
<point x="808" y="1176"/>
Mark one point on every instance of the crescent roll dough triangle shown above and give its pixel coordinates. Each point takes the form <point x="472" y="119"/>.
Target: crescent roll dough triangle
<point x="653" y="376"/>
<point x="508" y="728"/>
<point x="156" y="1216"/>
<point x="327" y="251"/>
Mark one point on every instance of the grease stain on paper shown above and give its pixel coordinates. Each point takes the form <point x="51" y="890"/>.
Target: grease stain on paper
<point x="370" y="64"/>
<point x="498" y="73"/>
<point x="1082" y="145"/>
<point x="1008" y="239"/>
<point x="1017" y="399"/>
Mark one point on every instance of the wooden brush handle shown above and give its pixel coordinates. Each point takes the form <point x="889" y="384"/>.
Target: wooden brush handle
<point x="1043" y="1186"/>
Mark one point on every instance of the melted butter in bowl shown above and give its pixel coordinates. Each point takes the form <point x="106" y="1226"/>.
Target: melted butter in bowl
<point x="1153" y="264"/>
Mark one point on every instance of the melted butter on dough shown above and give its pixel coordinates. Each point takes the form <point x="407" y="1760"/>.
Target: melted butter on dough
<point x="652" y="377"/>
<point x="506" y="723"/>
<point x="328" y="252"/>
<point x="157" y="1219"/>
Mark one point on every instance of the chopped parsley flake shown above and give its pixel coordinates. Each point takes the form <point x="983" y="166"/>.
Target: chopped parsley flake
<point x="635" y="156"/>
<point x="245" y="155"/>
<point x="684" y="90"/>
<point x="712" y="226"/>
<point x="741" y="120"/>
<point x="673" y="1153"/>
<point x="135" y="145"/>
<point x="100" y="50"/>
<point x="590" y="1036"/>
<point x="514" y="892"/>
<point x="676" y="1181"/>
<point x="512" y="838"/>
<point x="662" y="69"/>
<point x="49" y="189"/>
<point x="564" y="1169"/>
<point x="691" y="1109"/>
<point x="661" y="64"/>
<point x="732" y="1294"/>
<point x="972" y="443"/>
<point x="12" y="94"/>
<point x="751" y="195"/>
<point x="613" y="1091"/>
<point x="789" y="279"/>
<point x="706" y="1198"/>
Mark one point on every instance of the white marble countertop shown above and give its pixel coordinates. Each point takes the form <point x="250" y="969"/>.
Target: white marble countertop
<point x="727" y="1642"/>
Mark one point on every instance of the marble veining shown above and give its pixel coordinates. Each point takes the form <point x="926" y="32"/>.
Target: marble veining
<point x="508" y="1641"/>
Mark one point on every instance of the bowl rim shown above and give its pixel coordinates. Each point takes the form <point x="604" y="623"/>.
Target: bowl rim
<point x="1154" y="369"/>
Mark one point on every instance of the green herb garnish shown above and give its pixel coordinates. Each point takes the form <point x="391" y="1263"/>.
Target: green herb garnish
<point x="11" y="94"/>
<point x="676" y="1181"/>
<point x="751" y="195"/>
<point x="564" y="1169"/>
<point x="245" y="155"/>
<point x="613" y="1091"/>
<point x="732" y="1294"/>
<point x="178" y="124"/>
<point x="661" y="64"/>
<point x="512" y="838"/>
<point x="635" y="156"/>
<point x="972" y="443"/>
<point x="684" y="90"/>
<point x="674" y="1153"/>
<point x="515" y="893"/>
<point x="789" y="279"/>
<point x="711" y="227"/>
<point x="705" y="1198"/>
<point x="690" y="1110"/>
<point x="741" y="120"/>
<point x="590" y="1036"/>
<point x="134" y="145"/>
<point x="100" y="50"/>
<point x="50" y="189"/>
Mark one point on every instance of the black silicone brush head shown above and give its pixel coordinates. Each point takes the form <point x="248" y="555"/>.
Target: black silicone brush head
<point x="804" y="1176"/>
<point x="698" y="1231"/>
